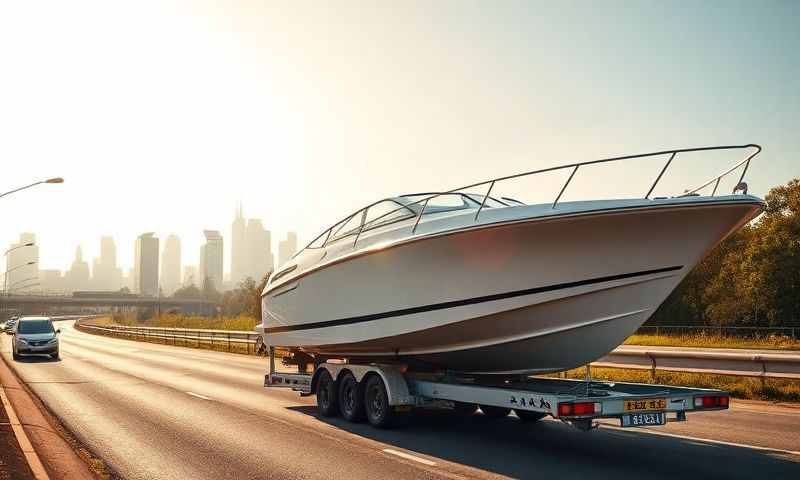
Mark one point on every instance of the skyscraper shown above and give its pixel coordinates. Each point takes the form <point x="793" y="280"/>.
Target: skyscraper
<point x="211" y="256"/>
<point x="52" y="281"/>
<point x="105" y="274"/>
<point x="286" y="248"/>
<point x="19" y="272"/>
<point x="146" y="265"/>
<point x="171" y="265"/>
<point x="77" y="277"/>
<point x="238" y="248"/>
<point x="259" y="250"/>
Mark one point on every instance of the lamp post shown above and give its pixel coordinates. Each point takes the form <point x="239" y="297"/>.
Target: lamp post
<point x="11" y="287"/>
<point x="29" y="244"/>
<point x="5" y="277"/>
<point x="29" y="286"/>
<point x="49" y="180"/>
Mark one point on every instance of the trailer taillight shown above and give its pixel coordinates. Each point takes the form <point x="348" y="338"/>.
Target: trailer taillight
<point x="579" y="409"/>
<point x="711" y="401"/>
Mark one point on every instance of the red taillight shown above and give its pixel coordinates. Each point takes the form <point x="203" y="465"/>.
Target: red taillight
<point x="578" y="409"/>
<point x="712" y="401"/>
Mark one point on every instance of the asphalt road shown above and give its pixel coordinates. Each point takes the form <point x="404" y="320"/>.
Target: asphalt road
<point x="155" y="411"/>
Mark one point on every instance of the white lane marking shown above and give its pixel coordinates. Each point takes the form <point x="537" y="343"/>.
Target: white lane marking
<point x="705" y="440"/>
<point x="408" y="456"/>
<point x="197" y="395"/>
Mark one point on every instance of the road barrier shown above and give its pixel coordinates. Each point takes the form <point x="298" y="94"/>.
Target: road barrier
<point x="229" y="340"/>
<point x="780" y="364"/>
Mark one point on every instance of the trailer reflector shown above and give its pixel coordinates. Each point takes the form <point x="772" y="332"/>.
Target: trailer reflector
<point x="579" y="409"/>
<point x="712" y="401"/>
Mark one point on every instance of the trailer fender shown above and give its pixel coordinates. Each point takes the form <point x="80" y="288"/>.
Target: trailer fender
<point x="392" y="377"/>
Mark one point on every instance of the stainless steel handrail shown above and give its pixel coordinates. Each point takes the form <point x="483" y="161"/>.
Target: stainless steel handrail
<point x="575" y="166"/>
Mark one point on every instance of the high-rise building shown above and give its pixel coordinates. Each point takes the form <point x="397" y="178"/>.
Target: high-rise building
<point x="238" y="247"/>
<point x="20" y="255"/>
<point x="105" y="273"/>
<point x="286" y="248"/>
<point x="211" y="256"/>
<point x="189" y="276"/>
<point x="171" y="265"/>
<point x="146" y="265"/>
<point x="77" y="277"/>
<point x="259" y="250"/>
<point x="51" y="281"/>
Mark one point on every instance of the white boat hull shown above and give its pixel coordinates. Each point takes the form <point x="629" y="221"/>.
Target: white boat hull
<point x="540" y="294"/>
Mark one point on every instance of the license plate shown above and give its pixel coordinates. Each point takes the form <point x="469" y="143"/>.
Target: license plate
<point x="645" y="405"/>
<point x="644" y="419"/>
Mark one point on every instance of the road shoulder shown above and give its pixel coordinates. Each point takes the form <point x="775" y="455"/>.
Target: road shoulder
<point x="46" y="434"/>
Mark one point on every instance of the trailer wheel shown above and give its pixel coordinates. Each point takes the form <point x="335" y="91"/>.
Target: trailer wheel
<point x="351" y="403"/>
<point x="376" y="404"/>
<point x="528" y="416"/>
<point x="495" y="412"/>
<point x="326" y="395"/>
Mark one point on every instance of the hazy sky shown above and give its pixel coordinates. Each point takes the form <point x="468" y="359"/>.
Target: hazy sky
<point x="161" y="115"/>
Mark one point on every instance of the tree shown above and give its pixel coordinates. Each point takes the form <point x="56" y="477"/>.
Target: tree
<point x="245" y="299"/>
<point x="189" y="292"/>
<point x="751" y="278"/>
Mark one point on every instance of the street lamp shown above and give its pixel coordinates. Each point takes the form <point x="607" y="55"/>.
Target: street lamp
<point x="49" y="180"/>
<point x="29" y="286"/>
<point x="29" y="244"/>
<point x="5" y="277"/>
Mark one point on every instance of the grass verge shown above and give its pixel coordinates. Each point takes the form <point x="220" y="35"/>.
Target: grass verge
<point x="770" y="342"/>
<point x="241" y="322"/>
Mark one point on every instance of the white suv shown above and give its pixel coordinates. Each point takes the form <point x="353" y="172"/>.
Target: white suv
<point x="35" y="335"/>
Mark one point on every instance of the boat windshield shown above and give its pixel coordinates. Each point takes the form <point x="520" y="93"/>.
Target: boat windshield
<point x="445" y="202"/>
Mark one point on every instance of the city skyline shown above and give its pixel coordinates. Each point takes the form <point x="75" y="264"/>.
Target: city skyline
<point x="97" y="258"/>
<point x="166" y="267"/>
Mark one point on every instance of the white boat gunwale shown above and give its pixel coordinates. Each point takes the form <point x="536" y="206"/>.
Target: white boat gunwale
<point x="555" y="215"/>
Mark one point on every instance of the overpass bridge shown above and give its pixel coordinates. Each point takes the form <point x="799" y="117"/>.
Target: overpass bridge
<point x="51" y="304"/>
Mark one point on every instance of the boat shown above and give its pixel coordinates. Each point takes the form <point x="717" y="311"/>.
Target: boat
<point x="470" y="282"/>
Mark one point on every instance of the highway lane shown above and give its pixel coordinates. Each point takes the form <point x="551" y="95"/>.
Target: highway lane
<point x="156" y="411"/>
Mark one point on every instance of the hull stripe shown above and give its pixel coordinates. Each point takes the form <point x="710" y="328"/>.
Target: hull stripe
<point x="467" y="301"/>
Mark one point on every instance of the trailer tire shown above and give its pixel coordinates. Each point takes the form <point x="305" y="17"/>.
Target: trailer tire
<point x="528" y="416"/>
<point x="351" y="400"/>
<point x="327" y="395"/>
<point x="376" y="404"/>
<point x="495" y="412"/>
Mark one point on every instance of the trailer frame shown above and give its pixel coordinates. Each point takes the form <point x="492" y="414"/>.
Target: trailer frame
<point x="576" y="402"/>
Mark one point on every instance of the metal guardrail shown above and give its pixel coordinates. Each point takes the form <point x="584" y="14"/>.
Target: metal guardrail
<point x="761" y="365"/>
<point x="781" y="364"/>
<point x="229" y="340"/>
<point x="732" y="331"/>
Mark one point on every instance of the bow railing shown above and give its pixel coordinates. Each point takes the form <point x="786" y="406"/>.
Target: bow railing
<point x="422" y="204"/>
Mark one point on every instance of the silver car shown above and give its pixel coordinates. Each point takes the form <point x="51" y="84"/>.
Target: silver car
<point x="35" y="335"/>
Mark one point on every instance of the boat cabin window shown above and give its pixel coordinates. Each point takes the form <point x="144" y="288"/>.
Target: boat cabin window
<point x="491" y="202"/>
<point x="386" y="212"/>
<point x="319" y="242"/>
<point x="347" y="227"/>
